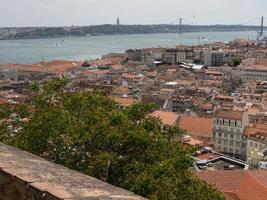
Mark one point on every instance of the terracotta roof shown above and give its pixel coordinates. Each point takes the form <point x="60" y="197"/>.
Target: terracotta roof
<point x="261" y="62"/>
<point x="238" y="185"/>
<point x="198" y="126"/>
<point x="99" y="62"/>
<point x="153" y="100"/>
<point x="254" y="131"/>
<point x="206" y="106"/>
<point x="121" y="90"/>
<point x="55" y="66"/>
<point x="207" y="156"/>
<point x="117" y="67"/>
<point x="225" y="114"/>
<point x="194" y="142"/>
<point x="167" y="118"/>
<point x="124" y="101"/>
<point x="213" y="72"/>
<point x="3" y="101"/>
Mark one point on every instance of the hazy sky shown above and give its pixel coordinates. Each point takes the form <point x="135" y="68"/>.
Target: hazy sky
<point x="89" y="12"/>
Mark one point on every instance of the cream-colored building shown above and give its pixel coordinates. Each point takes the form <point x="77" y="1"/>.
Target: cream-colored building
<point x="228" y="132"/>
<point x="253" y="72"/>
<point x="256" y="143"/>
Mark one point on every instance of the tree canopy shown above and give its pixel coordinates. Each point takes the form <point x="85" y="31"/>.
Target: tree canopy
<point x="89" y="132"/>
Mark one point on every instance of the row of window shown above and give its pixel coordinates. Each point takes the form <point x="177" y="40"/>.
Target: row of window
<point x="226" y="135"/>
<point x="256" y="145"/>
<point x="230" y="150"/>
<point x="226" y="129"/>
<point x="226" y="122"/>
<point x="231" y="143"/>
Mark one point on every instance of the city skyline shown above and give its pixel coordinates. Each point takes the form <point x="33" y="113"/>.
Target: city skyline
<point x="81" y="12"/>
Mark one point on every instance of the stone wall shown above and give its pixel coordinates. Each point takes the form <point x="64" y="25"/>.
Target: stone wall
<point x="24" y="176"/>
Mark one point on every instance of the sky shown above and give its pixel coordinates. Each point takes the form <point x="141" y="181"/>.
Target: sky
<point x="92" y="12"/>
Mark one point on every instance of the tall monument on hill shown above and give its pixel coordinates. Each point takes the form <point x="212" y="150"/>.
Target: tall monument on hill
<point x="118" y="21"/>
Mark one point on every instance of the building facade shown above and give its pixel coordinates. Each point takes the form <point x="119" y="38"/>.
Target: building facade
<point x="214" y="58"/>
<point x="228" y="132"/>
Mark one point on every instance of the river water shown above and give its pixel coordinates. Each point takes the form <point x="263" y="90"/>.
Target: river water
<point x="89" y="47"/>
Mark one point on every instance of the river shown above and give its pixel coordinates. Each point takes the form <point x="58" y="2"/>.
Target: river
<point x="89" y="47"/>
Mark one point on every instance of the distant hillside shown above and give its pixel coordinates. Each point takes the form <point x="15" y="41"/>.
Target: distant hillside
<point x="51" y="32"/>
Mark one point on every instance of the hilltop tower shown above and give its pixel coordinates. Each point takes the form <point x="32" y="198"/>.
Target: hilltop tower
<point x="260" y="34"/>
<point x="118" y="21"/>
<point x="181" y="26"/>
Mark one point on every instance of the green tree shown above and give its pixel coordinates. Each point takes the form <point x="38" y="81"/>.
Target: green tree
<point x="89" y="132"/>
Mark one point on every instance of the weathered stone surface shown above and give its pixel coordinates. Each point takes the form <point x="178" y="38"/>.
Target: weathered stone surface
<point x="24" y="176"/>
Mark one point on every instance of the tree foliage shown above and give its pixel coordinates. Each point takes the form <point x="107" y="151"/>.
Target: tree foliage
<point x="88" y="132"/>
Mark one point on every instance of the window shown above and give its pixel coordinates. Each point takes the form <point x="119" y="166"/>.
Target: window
<point x="256" y="145"/>
<point x="220" y="134"/>
<point x="238" y="137"/>
<point x="225" y="142"/>
<point x="214" y="134"/>
<point x="243" y="145"/>
<point x="237" y="144"/>
<point x="232" y="136"/>
<point x="219" y="141"/>
<point x="231" y="143"/>
<point x="225" y="135"/>
<point x="251" y="144"/>
<point x="225" y="149"/>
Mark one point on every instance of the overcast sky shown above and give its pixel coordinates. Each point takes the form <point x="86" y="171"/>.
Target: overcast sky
<point x="90" y="12"/>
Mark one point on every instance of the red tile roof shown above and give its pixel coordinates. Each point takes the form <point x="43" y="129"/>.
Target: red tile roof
<point x="125" y="101"/>
<point x="167" y="118"/>
<point x="196" y="126"/>
<point x="225" y="114"/>
<point x="238" y="185"/>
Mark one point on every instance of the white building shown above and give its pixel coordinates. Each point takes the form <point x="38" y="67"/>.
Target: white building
<point x="228" y="132"/>
<point x="254" y="73"/>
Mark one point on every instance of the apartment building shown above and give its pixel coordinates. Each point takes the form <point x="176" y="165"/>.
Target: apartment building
<point x="254" y="73"/>
<point x="170" y="56"/>
<point x="186" y="55"/>
<point x="228" y="132"/>
<point x="253" y="70"/>
<point x="256" y="143"/>
<point x="175" y="56"/>
<point x="214" y="58"/>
